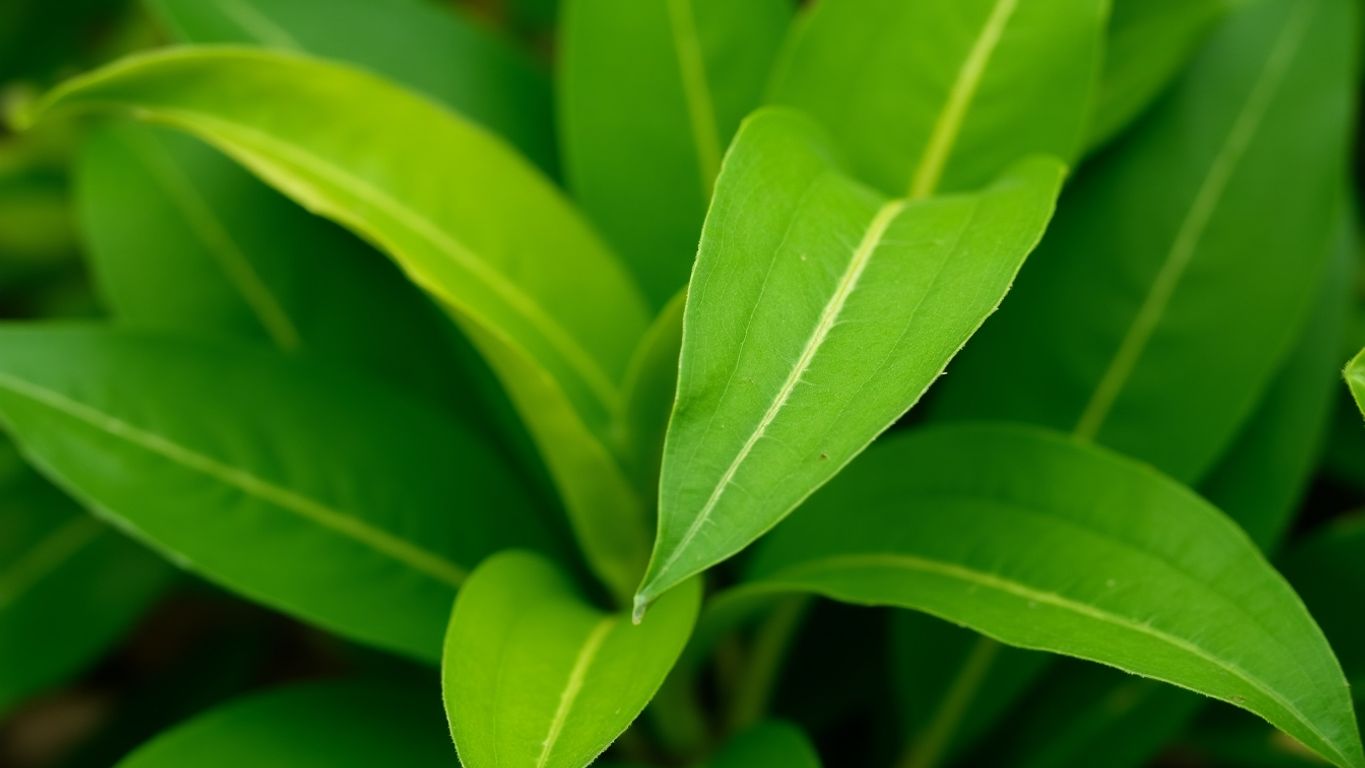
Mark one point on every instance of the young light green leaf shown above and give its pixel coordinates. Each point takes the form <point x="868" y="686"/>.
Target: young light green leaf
<point x="306" y="489"/>
<point x="70" y="586"/>
<point x="1355" y="379"/>
<point x="1225" y="199"/>
<point x="651" y="94"/>
<point x="1149" y="41"/>
<point x="1123" y="567"/>
<point x="433" y="50"/>
<point x="768" y="745"/>
<point x="944" y="94"/>
<point x="534" y="675"/>
<point x="547" y="303"/>
<point x="819" y="312"/>
<point x="334" y="724"/>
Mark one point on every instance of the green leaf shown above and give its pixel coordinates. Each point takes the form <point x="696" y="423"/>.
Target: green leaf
<point x="547" y="304"/>
<point x="70" y="587"/>
<point x="945" y="94"/>
<point x="1355" y="379"/>
<point x="433" y="50"/>
<point x="334" y="724"/>
<point x="1123" y="567"/>
<point x="819" y="313"/>
<point x="651" y="93"/>
<point x="1225" y="199"/>
<point x="535" y="675"/>
<point x="768" y="745"/>
<point x="1328" y="569"/>
<point x="651" y="387"/>
<point x="309" y="490"/>
<point x="1149" y="42"/>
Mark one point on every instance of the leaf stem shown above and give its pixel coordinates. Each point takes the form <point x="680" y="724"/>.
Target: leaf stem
<point x="928" y="748"/>
<point x="759" y="676"/>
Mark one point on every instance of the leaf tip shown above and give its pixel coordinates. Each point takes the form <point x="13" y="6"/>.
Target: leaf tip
<point x="637" y="612"/>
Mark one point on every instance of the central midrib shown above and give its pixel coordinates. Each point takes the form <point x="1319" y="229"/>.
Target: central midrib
<point x="573" y="687"/>
<point x="350" y="527"/>
<point x="898" y="561"/>
<point x="46" y="556"/>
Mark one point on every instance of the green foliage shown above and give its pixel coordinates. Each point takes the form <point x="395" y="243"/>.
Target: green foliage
<point x="612" y="450"/>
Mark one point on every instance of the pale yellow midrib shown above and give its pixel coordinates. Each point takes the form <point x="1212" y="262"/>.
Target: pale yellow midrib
<point x="701" y="112"/>
<point x="992" y="581"/>
<point x="259" y="26"/>
<point x="929" y="171"/>
<point x="573" y="687"/>
<point x="405" y="552"/>
<point x="44" y="557"/>
<point x="218" y="241"/>
<point x="829" y="316"/>
<point x="1191" y="231"/>
<point x="601" y="385"/>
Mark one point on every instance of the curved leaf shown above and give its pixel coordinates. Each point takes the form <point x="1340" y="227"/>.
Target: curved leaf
<point x="1123" y="566"/>
<point x="768" y="745"/>
<point x="651" y="93"/>
<point x="944" y="94"/>
<point x="213" y="454"/>
<point x="546" y="302"/>
<point x="536" y="676"/>
<point x="819" y="313"/>
<point x="336" y="724"/>
<point x="434" y="50"/>
<point x="70" y="586"/>
<point x="1225" y="200"/>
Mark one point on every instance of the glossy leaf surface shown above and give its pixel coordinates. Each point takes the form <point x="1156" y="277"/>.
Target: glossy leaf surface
<point x="1355" y="379"/>
<point x="371" y="542"/>
<point x="434" y="50"/>
<point x="335" y="724"/>
<point x="819" y="313"/>
<point x="651" y="93"/>
<point x="944" y="94"/>
<point x="1225" y="199"/>
<point x="1125" y="567"/>
<point x="534" y="675"/>
<point x="556" y="315"/>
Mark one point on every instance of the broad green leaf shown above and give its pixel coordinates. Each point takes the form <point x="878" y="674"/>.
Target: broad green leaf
<point x="433" y="50"/>
<point x="182" y="239"/>
<point x="819" y="312"/>
<point x="1149" y="41"/>
<point x="304" y="488"/>
<point x="464" y="217"/>
<point x="1225" y="199"/>
<point x="768" y="745"/>
<point x="334" y="724"/>
<point x="650" y="93"/>
<point x="70" y="586"/>
<point x="1355" y="378"/>
<point x="944" y="94"/>
<point x="1259" y="484"/>
<point x="534" y="675"/>
<point x="1123" y="567"/>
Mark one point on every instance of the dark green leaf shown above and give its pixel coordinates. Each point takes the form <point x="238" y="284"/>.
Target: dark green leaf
<point x="651" y="93"/>
<point x="768" y="745"/>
